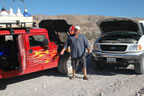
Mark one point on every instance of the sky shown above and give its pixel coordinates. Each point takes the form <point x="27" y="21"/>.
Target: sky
<point x="120" y="8"/>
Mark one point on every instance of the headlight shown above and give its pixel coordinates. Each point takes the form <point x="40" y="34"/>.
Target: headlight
<point x="95" y="47"/>
<point x="135" y="48"/>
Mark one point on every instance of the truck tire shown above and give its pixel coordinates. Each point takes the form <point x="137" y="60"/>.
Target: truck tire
<point x="64" y="65"/>
<point x="94" y="63"/>
<point x="139" y="67"/>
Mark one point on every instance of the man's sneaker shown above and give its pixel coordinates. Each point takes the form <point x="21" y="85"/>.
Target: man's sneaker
<point x="73" y="77"/>
<point x="85" y="78"/>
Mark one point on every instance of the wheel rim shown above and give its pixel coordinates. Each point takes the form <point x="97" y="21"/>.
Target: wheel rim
<point x="69" y="67"/>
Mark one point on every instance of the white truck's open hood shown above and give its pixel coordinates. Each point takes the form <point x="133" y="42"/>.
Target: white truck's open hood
<point x="116" y="24"/>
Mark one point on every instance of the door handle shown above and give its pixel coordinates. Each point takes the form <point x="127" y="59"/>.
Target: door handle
<point x="30" y="51"/>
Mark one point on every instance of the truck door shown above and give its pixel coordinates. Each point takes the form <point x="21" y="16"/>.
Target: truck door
<point x="22" y="54"/>
<point x="38" y="50"/>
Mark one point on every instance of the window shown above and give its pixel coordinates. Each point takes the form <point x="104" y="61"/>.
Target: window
<point x="37" y="40"/>
<point x="142" y="26"/>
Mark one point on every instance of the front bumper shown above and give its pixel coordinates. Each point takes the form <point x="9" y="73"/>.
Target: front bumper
<point x="120" y="57"/>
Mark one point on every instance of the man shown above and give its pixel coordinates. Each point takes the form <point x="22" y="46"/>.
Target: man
<point x="78" y="44"/>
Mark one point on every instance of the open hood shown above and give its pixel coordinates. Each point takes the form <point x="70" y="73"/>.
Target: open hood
<point x="117" y="24"/>
<point x="57" y="29"/>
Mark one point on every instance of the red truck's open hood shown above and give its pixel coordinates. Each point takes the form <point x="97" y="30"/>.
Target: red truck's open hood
<point x="57" y="29"/>
<point x="116" y="24"/>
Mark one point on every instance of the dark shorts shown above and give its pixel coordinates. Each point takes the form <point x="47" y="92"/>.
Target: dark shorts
<point x="78" y="61"/>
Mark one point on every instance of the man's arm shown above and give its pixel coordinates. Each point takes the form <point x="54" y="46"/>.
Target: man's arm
<point x="87" y="45"/>
<point x="65" y="47"/>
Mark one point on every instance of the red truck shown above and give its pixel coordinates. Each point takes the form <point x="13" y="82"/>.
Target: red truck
<point x="25" y="50"/>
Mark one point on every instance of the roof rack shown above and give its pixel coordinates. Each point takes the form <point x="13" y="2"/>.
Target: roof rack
<point x="16" y="22"/>
<point x="17" y="25"/>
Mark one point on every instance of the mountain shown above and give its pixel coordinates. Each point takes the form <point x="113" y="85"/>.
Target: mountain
<point x="87" y="22"/>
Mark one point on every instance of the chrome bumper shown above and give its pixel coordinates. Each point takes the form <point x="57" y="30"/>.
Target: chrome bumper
<point x="136" y="55"/>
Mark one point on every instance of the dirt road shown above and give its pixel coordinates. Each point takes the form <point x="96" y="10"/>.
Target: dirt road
<point x="110" y="82"/>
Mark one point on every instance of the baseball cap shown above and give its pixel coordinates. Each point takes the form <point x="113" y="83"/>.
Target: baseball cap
<point x="77" y="27"/>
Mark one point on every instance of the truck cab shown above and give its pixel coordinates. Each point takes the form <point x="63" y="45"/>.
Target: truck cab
<point x="25" y="49"/>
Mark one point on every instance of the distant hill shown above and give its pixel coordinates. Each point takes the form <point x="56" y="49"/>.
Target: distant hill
<point x="87" y="23"/>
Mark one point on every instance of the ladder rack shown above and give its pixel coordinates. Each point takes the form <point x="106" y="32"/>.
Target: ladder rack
<point x="16" y="22"/>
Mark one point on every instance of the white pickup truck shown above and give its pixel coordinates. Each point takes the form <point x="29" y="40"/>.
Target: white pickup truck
<point x="121" y="43"/>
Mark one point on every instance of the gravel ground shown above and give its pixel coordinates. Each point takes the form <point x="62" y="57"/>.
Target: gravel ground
<point x="108" y="82"/>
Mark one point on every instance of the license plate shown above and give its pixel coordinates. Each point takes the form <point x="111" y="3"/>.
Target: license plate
<point x="111" y="60"/>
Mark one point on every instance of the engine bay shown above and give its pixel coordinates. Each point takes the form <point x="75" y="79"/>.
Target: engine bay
<point x="119" y="37"/>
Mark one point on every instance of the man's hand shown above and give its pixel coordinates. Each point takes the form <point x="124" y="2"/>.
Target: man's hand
<point x="62" y="52"/>
<point x="89" y="51"/>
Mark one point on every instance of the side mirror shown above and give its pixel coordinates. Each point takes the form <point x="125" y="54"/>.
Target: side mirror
<point x="45" y="42"/>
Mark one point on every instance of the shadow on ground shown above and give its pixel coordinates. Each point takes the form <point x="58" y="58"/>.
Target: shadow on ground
<point x="49" y="72"/>
<point x="108" y="71"/>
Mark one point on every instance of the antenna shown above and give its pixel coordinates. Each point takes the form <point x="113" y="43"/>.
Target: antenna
<point x="18" y="3"/>
<point x="12" y="3"/>
<point x="23" y="3"/>
<point x="2" y="2"/>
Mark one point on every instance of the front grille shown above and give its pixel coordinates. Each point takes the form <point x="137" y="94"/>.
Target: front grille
<point x="113" y="47"/>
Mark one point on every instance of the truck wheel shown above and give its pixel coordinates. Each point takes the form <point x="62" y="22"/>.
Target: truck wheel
<point x="100" y="65"/>
<point x="3" y="84"/>
<point x="65" y="64"/>
<point x="94" y="63"/>
<point x="139" y="67"/>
